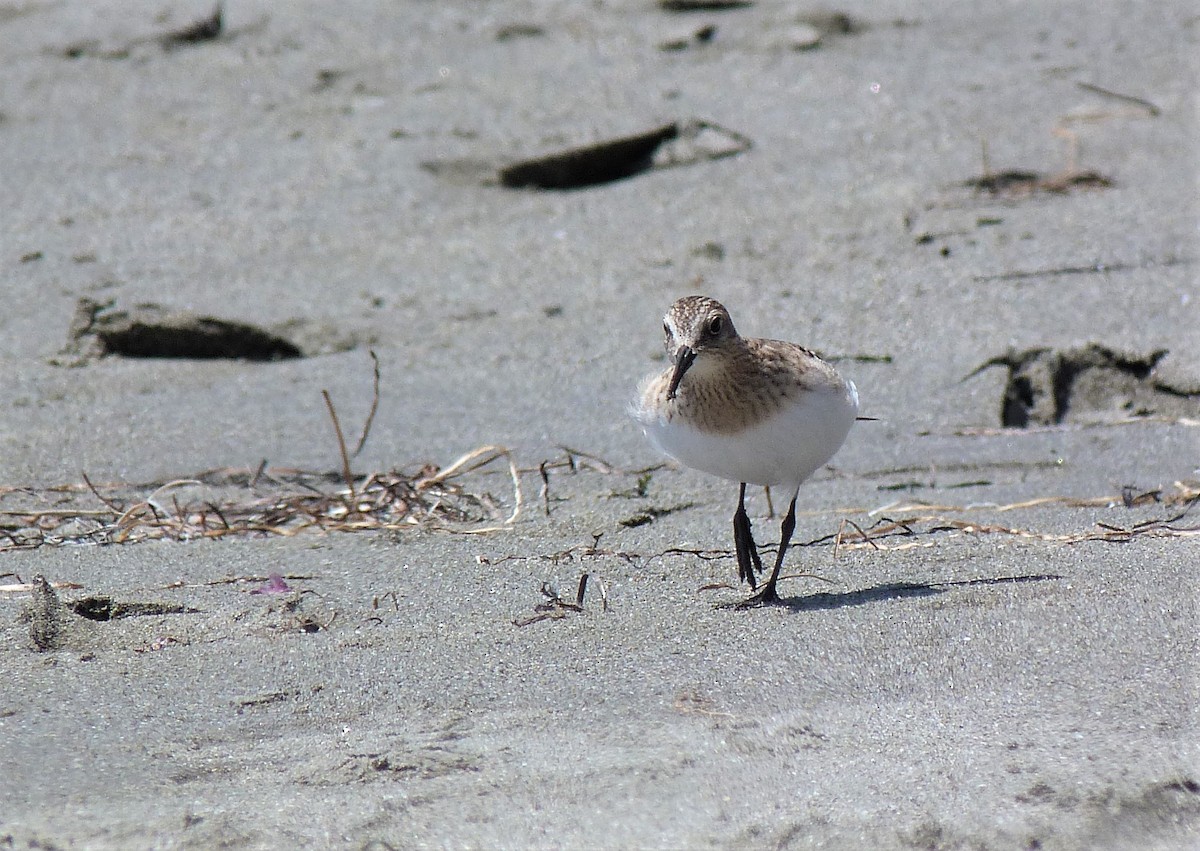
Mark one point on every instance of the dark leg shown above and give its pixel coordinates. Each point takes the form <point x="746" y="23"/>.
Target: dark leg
<point x="743" y="542"/>
<point x="768" y="593"/>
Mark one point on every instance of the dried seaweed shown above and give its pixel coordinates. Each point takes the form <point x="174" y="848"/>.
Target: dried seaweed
<point x="912" y="525"/>
<point x="555" y="607"/>
<point x="919" y="532"/>
<point x="1022" y="183"/>
<point x="261" y="503"/>
<point x="1184" y="494"/>
<point x="921" y="522"/>
<point x="581" y="552"/>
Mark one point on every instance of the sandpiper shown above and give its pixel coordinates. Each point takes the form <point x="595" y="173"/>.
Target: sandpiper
<point x="753" y="411"/>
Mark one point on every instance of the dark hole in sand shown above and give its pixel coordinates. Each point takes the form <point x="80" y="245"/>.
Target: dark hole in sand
<point x="683" y="143"/>
<point x="668" y="146"/>
<point x="149" y="331"/>
<point x="108" y="609"/>
<point x="703" y="5"/>
<point x="205" y="29"/>
<point x="1094" y="382"/>
<point x="591" y="165"/>
<point x="1018" y="182"/>
<point x="198" y="337"/>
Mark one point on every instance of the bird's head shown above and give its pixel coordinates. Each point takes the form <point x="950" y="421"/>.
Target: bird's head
<point x="694" y="327"/>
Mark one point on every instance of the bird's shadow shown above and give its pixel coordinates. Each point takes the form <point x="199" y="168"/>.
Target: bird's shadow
<point x="893" y="591"/>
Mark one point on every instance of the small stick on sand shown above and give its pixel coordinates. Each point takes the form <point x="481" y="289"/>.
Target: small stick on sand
<point x="362" y="441"/>
<point x="337" y="427"/>
<point x="545" y="487"/>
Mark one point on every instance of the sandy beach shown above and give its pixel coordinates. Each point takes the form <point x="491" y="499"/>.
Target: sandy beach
<point x="463" y="222"/>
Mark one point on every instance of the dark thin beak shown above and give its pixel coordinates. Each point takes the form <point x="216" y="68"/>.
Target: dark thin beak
<point x="683" y="360"/>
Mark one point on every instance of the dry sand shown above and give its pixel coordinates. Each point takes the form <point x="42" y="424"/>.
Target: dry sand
<point x="982" y="676"/>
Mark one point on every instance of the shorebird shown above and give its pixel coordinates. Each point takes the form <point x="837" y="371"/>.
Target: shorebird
<point x="753" y="411"/>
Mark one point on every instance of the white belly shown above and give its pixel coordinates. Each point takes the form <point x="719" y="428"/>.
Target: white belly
<point x="781" y="451"/>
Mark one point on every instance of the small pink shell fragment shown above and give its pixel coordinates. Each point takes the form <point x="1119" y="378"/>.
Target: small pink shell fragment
<point x="273" y="585"/>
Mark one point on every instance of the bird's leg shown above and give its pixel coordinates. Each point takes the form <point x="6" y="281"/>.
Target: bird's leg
<point x="743" y="541"/>
<point x="768" y="593"/>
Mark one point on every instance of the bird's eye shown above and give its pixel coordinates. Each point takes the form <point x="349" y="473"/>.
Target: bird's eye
<point x="715" y="325"/>
<point x="666" y="329"/>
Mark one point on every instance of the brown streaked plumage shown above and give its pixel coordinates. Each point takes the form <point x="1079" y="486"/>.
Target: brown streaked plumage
<point x="754" y="411"/>
<point x="756" y="379"/>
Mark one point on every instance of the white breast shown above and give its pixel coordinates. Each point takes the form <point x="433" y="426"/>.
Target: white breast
<point x="781" y="451"/>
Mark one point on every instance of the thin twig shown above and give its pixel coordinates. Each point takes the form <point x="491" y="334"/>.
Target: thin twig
<point x="337" y="427"/>
<point x="841" y="526"/>
<point x="37" y="514"/>
<point x="217" y="511"/>
<point x="985" y="160"/>
<point x="598" y="463"/>
<point x="815" y="576"/>
<point x="545" y="487"/>
<point x="1142" y="102"/>
<point x="362" y="441"/>
<point x="474" y="460"/>
<point x="92" y="488"/>
<point x="153" y="498"/>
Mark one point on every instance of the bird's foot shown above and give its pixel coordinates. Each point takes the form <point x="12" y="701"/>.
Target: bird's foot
<point x="768" y="596"/>
<point x="749" y="562"/>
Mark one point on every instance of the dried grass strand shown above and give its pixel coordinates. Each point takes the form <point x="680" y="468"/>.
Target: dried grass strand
<point x="366" y="430"/>
<point x="337" y="427"/>
<point x="276" y="503"/>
